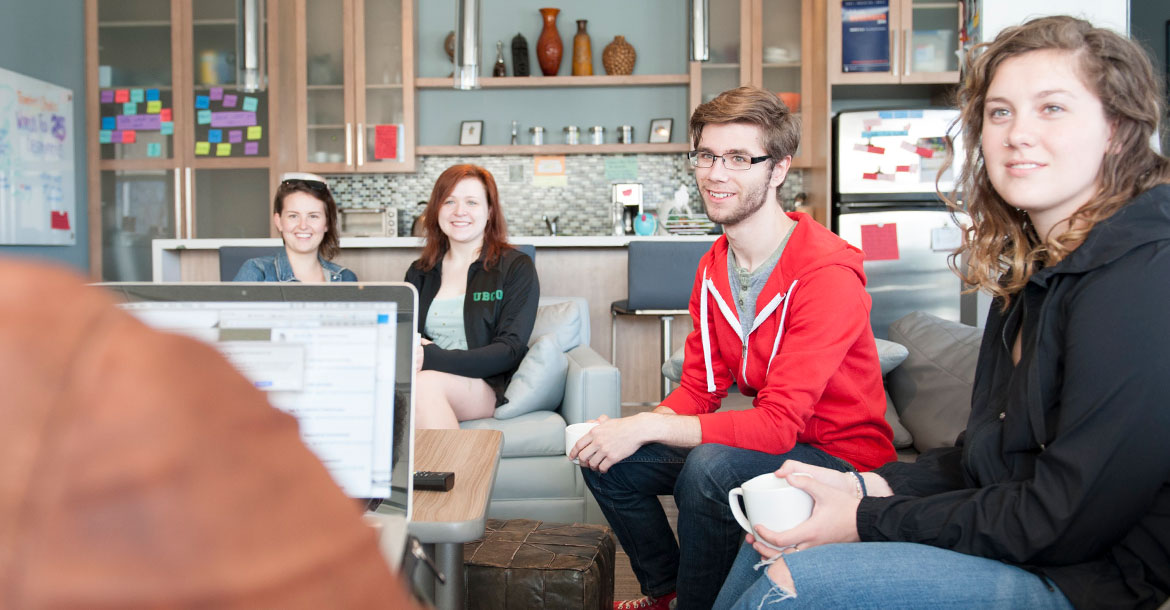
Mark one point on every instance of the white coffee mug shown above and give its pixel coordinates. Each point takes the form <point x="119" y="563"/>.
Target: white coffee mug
<point x="770" y="502"/>
<point x="574" y="432"/>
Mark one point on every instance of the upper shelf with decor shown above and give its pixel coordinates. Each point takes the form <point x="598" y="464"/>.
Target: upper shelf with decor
<point x="521" y="82"/>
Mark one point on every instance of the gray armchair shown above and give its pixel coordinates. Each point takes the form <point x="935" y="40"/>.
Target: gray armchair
<point x="535" y="479"/>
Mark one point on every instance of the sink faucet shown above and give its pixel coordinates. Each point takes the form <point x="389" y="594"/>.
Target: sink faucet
<point x="551" y="224"/>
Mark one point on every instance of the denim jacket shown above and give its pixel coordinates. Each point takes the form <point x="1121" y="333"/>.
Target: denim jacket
<point x="279" y="269"/>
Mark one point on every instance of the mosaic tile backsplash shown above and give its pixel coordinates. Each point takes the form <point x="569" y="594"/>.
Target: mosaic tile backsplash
<point x="582" y="207"/>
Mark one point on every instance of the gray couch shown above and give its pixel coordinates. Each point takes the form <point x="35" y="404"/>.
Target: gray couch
<point x="928" y="366"/>
<point x="535" y="479"/>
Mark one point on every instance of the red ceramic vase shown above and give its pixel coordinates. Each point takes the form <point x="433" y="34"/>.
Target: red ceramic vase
<point x="549" y="47"/>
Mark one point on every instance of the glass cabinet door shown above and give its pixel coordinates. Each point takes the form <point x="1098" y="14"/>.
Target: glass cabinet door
<point x="136" y="79"/>
<point x="726" y="68"/>
<point x="781" y="51"/>
<point x="384" y="87"/>
<point x="136" y="206"/>
<point x="232" y="203"/>
<point x="227" y="120"/>
<point x="930" y="44"/>
<point x="328" y="145"/>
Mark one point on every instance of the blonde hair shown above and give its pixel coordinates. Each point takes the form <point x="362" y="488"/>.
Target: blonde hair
<point x="1003" y="247"/>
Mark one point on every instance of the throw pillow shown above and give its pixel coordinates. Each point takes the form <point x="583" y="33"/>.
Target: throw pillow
<point x="539" y="382"/>
<point x="562" y="319"/>
<point x="932" y="388"/>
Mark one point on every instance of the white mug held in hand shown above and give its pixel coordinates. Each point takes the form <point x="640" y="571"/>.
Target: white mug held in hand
<point x="574" y="432"/>
<point x="771" y="502"/>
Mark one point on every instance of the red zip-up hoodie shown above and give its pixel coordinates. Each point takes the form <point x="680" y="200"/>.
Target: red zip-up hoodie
<point x="810" y="359"/>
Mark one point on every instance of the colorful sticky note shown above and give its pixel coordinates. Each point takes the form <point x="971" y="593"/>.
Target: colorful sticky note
<point x="235" y="136"/>
<point x="203" y="117"/>
<point x="129" y="136"/>
<point x="202" y="148"/>
<point x="154" y="149"/>
<point x="386" y="142"/>
<point x="129" y="108"/>
<point x="122" y="96"/>
<point x="223" y="150"/>
<point x="251" y="148"/>
<point x="216" y="93"/>
<point x="202" y="101"/>
<point x="167" y="128"/>
<point x="255" y="132"/>
<point x="215" y="136"/>
<point x="108" y="122"/>
<point x="59" y="220"/>
<point x="229" y="100"/>
<point x="115" y="137"/>
<point x="164" y="114"/>
<point x="880" y="242"/>
<point x="137" y="96"/>
<point x="104" y="136"/>
<point x="107" y="96"/>
<point x="153" y="107"/>
<point x="152" y="95"/>
<point x="250" y="103"/>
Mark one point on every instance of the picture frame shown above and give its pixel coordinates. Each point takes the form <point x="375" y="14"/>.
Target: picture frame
<point x="660" y="130"/>
<point x="471" y="133"/>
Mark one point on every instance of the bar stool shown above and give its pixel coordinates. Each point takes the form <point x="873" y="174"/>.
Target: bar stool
<point x="660" y="276"/>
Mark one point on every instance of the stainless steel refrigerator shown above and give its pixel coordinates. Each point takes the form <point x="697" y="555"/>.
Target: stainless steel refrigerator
<point x="885" y="163"/>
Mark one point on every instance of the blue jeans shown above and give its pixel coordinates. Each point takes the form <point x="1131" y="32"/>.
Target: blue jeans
<point x="888" y="575"/>
<point x="700" y="480"/>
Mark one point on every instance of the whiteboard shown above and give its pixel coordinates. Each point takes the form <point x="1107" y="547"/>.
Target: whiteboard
<point x="37" y="194"/>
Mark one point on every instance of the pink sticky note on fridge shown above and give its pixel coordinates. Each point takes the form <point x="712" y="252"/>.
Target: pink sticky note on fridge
<point x="251" y="148"/>
<point x="880" y="242"/>
<point x="235" y="136"/>
<point x="216" y="93"/>
<point x="164" y="115"/>
<point x="107" y="96"/>
<point x="229" y="101"/>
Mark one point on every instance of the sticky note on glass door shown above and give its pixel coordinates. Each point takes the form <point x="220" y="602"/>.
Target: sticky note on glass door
<point x="880" y="242"/>
<point x="386" y="142"/>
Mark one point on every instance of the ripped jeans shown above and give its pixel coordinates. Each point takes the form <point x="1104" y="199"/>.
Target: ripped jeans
<point x="887" y="575"/>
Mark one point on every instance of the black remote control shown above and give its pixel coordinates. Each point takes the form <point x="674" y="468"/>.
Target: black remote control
<point x="434" y="481"/>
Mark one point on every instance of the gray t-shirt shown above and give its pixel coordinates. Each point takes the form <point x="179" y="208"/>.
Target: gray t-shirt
<point x="746" y="286"/>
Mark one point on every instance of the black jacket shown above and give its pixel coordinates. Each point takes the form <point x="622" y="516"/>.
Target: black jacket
<point x="499" y="310"/>
<point x="1064" y="468"/>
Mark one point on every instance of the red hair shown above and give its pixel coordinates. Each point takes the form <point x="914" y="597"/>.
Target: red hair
<point x="495" y="240"/>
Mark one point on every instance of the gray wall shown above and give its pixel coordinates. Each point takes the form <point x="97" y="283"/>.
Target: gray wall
<point x="45" y="39"/>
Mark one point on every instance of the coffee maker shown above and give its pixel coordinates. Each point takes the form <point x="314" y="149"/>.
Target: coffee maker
<point x="627" y="205"/>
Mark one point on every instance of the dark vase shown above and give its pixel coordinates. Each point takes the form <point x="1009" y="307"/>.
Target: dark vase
<point x="520" y="56"/>
<point x="549" y="47"/>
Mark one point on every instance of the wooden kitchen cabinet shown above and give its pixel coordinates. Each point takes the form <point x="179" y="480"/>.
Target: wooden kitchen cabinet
<point x="924" y="44"/>
<point x="355" y="85"/>
<point x="773" y="44"/>
<point x="180" y="149"/>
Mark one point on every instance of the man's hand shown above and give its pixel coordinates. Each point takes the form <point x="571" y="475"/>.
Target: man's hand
<point x="614" y="440"/>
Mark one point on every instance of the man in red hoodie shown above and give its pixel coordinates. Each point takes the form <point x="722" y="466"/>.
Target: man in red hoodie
<point x="780" y="309"/>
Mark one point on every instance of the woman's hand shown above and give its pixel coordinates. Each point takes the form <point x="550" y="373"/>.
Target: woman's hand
<point x="419" y="353"/>
<point x="834" y="515"/>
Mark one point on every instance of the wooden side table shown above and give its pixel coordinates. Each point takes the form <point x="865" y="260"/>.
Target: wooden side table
<point x="444" y="520"/>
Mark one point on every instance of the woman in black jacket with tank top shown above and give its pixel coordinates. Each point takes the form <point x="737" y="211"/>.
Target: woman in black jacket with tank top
<point x="477" y="301"/>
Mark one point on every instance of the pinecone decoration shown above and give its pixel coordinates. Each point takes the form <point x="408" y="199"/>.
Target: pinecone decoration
<point x="619" y="57"/>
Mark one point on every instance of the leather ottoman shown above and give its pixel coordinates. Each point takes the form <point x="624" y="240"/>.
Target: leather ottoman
<point x="522" y="564"/>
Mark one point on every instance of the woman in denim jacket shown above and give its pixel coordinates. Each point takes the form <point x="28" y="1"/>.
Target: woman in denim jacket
<point x="306" y="216"/>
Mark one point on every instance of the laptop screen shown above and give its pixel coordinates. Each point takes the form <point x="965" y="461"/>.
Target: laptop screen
<point x="338" y="358"/>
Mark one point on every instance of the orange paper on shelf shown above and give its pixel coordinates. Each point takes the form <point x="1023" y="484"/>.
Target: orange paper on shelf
<point x="386" y="142"/>
<point x="880" y="242"/>
<point x="59" y="220"/>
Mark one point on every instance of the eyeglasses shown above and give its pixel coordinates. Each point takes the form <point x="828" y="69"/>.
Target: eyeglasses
<point x="732" y="161"/>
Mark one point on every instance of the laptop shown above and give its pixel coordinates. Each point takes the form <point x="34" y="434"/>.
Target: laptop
<point x="338" y="357"/>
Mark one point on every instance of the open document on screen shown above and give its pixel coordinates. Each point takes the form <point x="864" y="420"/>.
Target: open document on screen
<point x="330" y="364"/>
